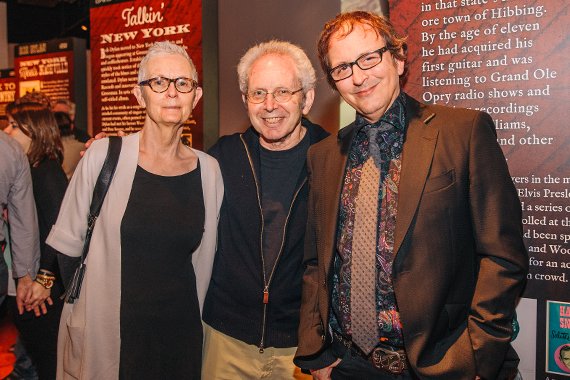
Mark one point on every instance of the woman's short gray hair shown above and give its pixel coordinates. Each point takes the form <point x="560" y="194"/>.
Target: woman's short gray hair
<point x="164" y="48"/>
<point x="305" y="72"/>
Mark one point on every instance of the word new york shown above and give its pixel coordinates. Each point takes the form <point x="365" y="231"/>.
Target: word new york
<point x="147" y="33"/>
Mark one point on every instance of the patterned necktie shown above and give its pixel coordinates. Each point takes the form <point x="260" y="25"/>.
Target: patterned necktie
<point x="365" y="330"/>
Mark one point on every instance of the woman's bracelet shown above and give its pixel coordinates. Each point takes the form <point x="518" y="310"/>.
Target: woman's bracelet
<point x="45" y="278"/>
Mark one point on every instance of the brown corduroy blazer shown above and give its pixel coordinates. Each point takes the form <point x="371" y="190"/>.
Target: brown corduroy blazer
<point x="460" y="260"/>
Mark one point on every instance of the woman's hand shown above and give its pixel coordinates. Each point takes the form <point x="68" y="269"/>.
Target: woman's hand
<point x="39" y="295"/>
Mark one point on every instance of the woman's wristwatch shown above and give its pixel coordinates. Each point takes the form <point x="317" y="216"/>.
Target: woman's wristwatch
<point x="45" y="278"/>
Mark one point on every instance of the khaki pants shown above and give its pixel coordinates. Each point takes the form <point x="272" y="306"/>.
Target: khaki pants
<point x="226" y="358"/>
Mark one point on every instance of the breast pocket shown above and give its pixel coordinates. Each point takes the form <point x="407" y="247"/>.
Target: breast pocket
<point x="440" y="182"/>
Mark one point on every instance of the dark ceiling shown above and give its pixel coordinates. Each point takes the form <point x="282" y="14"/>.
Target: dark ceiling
<point x="41" y="20"/>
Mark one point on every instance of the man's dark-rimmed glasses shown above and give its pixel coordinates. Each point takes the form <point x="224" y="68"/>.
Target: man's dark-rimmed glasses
<point x="365" y="62"/>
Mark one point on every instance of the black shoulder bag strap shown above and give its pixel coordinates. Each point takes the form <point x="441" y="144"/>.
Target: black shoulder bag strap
<point x="99" y="192"/>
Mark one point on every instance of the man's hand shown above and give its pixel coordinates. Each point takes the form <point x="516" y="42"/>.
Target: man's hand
<point x="23" y="292"/>
<point x="39" y="294"/>
<point x="324" y="373"/>
<point x="99" y="136"/>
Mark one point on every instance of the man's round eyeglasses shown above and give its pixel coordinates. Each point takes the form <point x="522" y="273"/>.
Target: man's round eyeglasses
<point x="280" y="95"/>
<point x="365" y="62"/>
<point x="161" y="84"/>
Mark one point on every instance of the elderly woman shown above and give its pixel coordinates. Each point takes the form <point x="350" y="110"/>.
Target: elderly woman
<point x="152" y="249"/>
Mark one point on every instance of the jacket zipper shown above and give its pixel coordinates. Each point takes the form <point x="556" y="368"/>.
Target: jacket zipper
<point x="265" y="282"/>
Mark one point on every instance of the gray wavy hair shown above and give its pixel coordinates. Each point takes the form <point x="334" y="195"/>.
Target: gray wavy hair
<point x="68" y="103"/>
<point x="305" y="71"/>
<point x="164" y="48"/>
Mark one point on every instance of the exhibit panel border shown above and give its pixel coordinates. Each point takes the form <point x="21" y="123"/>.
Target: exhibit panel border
<point x="509" y="59"/>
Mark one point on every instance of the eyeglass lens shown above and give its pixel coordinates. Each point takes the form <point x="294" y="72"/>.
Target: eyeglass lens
<point x="280" y="95"/>
<point x="365" y="62"/>
<point x="160" y="84"/>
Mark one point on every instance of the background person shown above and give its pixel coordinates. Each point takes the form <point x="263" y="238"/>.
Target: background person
<point x="417" y="199"/>
<point x="67" y="106"/>
<point x="16" y="194"/>
<point x="71" y="147"/>
<point x="34" y="127"/>
<point x="152" y="249"/>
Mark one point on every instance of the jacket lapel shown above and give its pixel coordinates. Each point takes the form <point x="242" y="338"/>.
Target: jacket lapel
<point x="419" y="147"/>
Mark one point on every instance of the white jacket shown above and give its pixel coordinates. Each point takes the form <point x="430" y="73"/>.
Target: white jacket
<point x="89" y="333"/>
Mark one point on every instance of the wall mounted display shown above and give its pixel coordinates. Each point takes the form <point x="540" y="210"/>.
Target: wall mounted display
<point x="509" y="59"/>
<point x="57" y="68"/>
<point x="121" y="33"/>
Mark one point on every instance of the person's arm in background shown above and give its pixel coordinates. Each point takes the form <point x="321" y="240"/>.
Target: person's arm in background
<point x="24" y="233"/>
<point x="49" y="183"/>
<point x="99" y="136"/>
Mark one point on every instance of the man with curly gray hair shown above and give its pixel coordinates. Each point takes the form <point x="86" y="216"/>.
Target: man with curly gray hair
<point x="251" y="312"/>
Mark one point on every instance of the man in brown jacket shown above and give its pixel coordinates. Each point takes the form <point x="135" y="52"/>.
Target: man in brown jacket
<point x="447" y="254"/>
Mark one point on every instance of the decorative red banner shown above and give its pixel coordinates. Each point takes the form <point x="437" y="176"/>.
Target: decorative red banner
<point x="121" y="33"/>
<point x="47" y="67"/>
<point x="509" y="59"/>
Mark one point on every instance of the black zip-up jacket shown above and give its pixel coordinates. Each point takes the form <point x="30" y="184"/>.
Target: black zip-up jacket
<point x="235" y="301"/>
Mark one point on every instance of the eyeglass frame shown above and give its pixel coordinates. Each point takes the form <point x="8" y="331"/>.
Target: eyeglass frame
<point x="272" y="94"/>
<point x="382" y="50"/>
<point x="147" y="82"/>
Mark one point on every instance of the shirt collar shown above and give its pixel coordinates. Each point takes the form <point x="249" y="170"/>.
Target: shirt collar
<point x="395" y="115"/>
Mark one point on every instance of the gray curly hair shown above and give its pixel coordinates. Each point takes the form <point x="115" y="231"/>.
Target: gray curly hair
<point x="305" y="71"/>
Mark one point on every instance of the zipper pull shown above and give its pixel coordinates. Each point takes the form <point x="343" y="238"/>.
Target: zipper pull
<point x="266" y="295"/>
